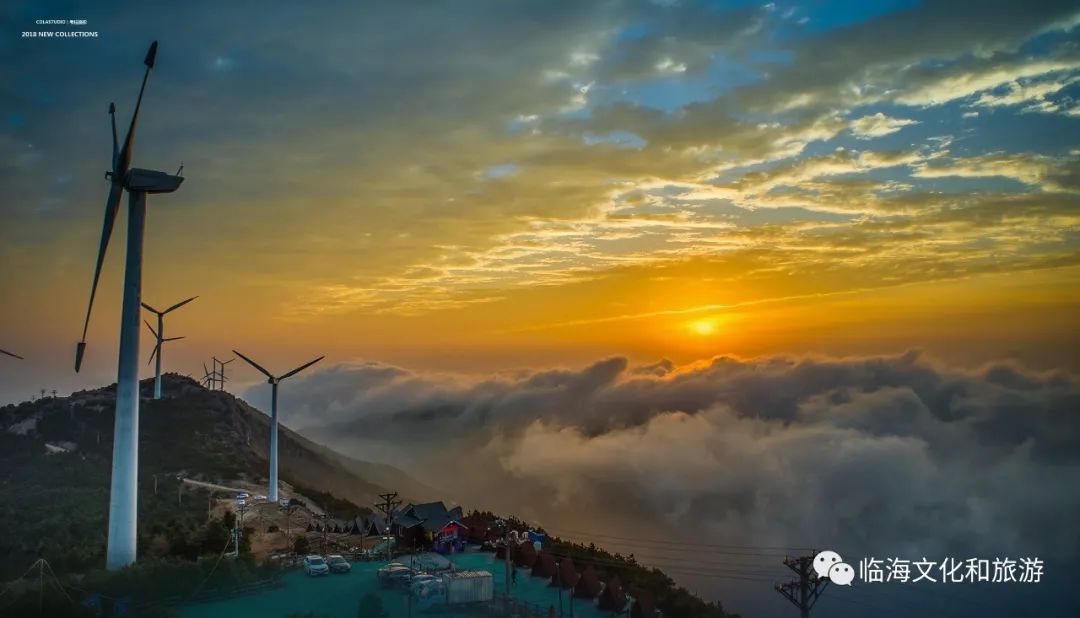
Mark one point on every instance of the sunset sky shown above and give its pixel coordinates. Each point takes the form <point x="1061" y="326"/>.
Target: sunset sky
<point x="491" y="185"/>
<point x="798" y="274"/>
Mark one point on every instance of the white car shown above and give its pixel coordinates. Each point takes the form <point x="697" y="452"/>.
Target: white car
<point x="315" y="565"/>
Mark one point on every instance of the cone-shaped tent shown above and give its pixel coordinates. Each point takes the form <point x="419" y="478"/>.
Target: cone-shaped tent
<point x="644" y="605"/>
<point x="525" y="555"/>
<point x="478" y="534"/>
<point x="544" y="566"/>
<point x="612" y="599"/>
<point x="588" y="585"/>
<point x="567" y="575"/>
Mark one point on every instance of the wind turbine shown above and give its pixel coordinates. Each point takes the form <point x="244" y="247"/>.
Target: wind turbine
<point x="12" y="354"/>
<point x="222" y="370"/>
<point x="123" y="507"/>
<point x="272" y="495"/>
<point x="208" y="378"/>
<point x="159" y="334"/>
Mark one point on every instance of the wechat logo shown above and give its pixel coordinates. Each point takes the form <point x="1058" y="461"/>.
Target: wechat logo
<point x="829" y="565"/>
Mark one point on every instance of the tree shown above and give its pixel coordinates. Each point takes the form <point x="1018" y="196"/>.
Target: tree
<point x="301" y="545"/>
<point x="371" y="606"/>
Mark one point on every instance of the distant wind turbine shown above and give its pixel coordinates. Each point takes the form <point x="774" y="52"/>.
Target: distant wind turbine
<point x="123" y="496"/>
<point x="11" y="354"/>
<point x="208" y="378"/>
<point x="159" y="335"/>
<point x="274" y="381"/>
<point x="221" y="371"/>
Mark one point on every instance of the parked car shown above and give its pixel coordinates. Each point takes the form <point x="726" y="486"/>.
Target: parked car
<point x="338" y="564"/>
<point x="315" y="565"/>
<point x="417" y="581"/>
<point x="394" y="574"/>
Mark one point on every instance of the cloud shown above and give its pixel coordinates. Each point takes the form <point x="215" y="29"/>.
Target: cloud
<point x="881" y="454"/>
<point x="1049" y="174"/>
<point x="1033" y="95"/>
<point x="878" y="125"/>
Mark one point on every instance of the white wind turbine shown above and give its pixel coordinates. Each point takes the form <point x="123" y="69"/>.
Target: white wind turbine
<point x="159" y="335"/>
<point x="123" y="494"/>
<point x="272" y="494"/>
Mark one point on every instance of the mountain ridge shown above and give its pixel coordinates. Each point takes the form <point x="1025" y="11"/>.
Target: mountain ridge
<point x="58" y="450"/>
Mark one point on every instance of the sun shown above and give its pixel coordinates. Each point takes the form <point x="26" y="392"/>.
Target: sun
<point x="703" y="328"/>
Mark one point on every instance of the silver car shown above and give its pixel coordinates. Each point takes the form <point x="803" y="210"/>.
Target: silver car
<point x="315" y="565"/>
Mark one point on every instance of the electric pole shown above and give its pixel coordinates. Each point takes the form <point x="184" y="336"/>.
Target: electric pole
<point x="389" y="504"/>
<point x="805" y="591"/>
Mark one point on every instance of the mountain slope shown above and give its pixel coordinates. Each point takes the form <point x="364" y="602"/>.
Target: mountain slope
<point x="55" y="456"/>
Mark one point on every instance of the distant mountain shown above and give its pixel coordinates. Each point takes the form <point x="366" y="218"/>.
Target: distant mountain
<point x="55" y="455"/>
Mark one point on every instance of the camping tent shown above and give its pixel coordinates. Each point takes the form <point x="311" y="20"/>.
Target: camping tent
<point x="588" y="585"/>
<point x="544" y="566"/>
<point x="612" y="599"/>
<point x="644" y="606"/>
<point x="524" y="555"/>
<point x="567" y="575"/>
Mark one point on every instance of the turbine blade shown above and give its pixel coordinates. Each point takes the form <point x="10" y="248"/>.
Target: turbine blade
<point x="112" y="205"/>
<point x="173" y="338"/>
<point x="151" y="55"/>
<point x="254" y="364"/>
<point x="151" y="329"/>
<point x="301" y="368"/>
<point x="150" y="309"/>
<point x="157" y="350"/>
<point x="12" y="355"/>
<point x="112" y="121"/>
<point x="179" y="304"/>
<point x="129" y="140"/>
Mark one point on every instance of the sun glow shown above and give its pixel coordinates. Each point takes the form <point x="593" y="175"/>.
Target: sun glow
<point x="703" y="328"/>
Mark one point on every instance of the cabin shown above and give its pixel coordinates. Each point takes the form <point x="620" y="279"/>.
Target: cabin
<point x="441" y="527"/>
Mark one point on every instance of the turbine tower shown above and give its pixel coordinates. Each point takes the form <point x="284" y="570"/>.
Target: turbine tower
<point x="123" y="507"/>
<point x="159" y="335"/>
<point x="13" y="355"/>
<point x="273" y="493"/>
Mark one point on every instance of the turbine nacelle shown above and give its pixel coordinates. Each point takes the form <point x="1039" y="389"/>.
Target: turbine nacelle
<point x="151" y="181"/>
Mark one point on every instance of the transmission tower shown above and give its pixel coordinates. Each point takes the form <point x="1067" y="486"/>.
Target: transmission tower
<point x="804" y="591"/>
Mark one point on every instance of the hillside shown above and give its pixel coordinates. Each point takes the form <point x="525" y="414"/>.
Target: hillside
<point x="55" y="456"/>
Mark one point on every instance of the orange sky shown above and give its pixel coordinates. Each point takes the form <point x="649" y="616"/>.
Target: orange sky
<point x="618" y="177"/>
